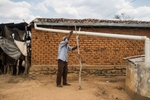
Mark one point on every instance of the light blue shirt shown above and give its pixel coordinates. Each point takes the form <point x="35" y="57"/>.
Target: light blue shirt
<point x="63" y="50"/>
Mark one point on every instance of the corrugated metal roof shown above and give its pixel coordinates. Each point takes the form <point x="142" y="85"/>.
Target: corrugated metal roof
<point x="91" y="22"/>
<point x="20" y="26"/>
<point x="135" y="59"/>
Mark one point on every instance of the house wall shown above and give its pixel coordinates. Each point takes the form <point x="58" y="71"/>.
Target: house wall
<point x="95" y="51"/>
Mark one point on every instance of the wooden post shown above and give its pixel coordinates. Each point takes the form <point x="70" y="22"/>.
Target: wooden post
<point x="79" y="58"/>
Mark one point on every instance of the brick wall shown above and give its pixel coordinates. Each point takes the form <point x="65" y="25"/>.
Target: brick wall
<point x="94" y="50"/>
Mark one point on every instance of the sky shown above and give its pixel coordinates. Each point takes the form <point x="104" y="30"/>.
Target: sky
<point x="15" y="11"/>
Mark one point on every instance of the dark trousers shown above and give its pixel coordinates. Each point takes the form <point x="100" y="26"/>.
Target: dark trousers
<point x="62" y="72"/>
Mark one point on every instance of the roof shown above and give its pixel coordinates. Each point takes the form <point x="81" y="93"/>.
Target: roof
<point x="135" y="59"/>
<point x="20" y="26"/>
<point x="91" y="22"/>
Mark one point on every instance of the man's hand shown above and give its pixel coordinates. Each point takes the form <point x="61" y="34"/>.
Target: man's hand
<point x="71" y="32"/>
<point x="74" y="48"/>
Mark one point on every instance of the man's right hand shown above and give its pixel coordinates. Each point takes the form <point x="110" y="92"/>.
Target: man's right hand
<point x="70" y="34"/>
<point x="71" y="31"/>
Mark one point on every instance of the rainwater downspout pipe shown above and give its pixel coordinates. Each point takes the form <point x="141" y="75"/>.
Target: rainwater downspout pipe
<point x="133" y="37"/>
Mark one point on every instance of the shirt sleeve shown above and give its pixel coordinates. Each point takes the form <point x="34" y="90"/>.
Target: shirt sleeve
<point x="69" y="47"/>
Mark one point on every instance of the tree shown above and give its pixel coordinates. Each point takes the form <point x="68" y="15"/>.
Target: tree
<point x="123" y="16"/>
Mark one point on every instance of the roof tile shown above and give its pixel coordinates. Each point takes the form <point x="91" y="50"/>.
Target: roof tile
<point x="86" y="21"/>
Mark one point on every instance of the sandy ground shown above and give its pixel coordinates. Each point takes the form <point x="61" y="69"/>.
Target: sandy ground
<point x="43" y="87"/>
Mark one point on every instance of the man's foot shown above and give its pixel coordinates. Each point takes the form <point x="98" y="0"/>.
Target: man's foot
<point x="66" y="84"/>
<point x="59" y="86"/>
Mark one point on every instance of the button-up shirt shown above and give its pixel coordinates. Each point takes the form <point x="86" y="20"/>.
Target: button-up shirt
<point x="63" y="50"/>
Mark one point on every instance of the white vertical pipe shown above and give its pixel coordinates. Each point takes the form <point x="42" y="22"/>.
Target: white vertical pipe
<point x="133" y="37"/>
<point x="147" y="50"/>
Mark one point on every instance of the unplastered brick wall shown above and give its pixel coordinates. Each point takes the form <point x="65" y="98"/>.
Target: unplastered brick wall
<point x="94" y="50"/>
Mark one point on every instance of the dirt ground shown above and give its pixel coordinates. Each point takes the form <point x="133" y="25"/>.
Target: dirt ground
<point x="43" y="87"/>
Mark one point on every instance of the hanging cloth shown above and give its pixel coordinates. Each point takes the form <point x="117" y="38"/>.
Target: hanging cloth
<point x="22" y="47"/>
<point x="10" y="48"/>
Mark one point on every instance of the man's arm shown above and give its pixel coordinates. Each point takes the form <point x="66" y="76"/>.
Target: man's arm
<point x="71" y="32"/>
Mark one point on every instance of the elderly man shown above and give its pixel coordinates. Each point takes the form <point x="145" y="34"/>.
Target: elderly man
<point x="63" y="60"/>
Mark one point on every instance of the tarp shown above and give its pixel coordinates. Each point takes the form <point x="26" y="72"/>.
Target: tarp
<point x="22" y="47"/>
<point x="18" y="34"/>
<point x="10" y="48"/>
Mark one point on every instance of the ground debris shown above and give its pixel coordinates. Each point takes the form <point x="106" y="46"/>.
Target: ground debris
<point x="43" y="87"/>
